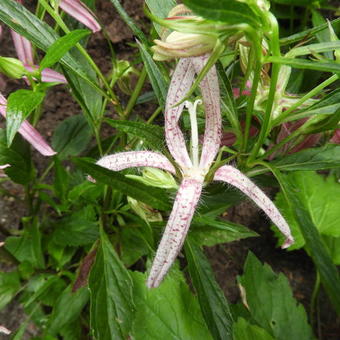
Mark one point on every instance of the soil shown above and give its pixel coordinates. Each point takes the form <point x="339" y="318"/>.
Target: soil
<point x="227" y="259"/>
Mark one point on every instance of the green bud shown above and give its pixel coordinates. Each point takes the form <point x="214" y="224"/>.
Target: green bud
<point x="12" y="67"/>
<point x="144" y="211"/>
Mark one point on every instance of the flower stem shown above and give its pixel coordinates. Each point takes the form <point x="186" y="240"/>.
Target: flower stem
<point x="194" y="130"/>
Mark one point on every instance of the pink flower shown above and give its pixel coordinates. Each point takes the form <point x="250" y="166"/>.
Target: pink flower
<point x="80" y="12"/>
<point x="29" y="132"/>
<point x="336" y="137"/>
<point x="193" y="167"/>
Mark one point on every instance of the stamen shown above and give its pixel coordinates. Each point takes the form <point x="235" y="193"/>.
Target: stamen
<point x="192" y="107"/>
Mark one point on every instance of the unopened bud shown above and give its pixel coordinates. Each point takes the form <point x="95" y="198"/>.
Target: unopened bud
<point x="144" y="211"/>
<point x="12" y="67"/>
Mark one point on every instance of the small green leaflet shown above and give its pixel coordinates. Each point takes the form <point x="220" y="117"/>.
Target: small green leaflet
<point x="20" y="104"/>
<point x="61" y="46"/>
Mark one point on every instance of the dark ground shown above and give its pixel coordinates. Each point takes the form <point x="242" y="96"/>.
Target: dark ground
<point x="227" y="259"/>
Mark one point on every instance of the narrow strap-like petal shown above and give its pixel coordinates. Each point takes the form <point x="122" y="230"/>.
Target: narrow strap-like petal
<point x="134" y="159"/>
<point x="181" y="82"/>
<point x="234" y="177"/>
<point x="211" y="99"/>
<point x="23" y="48"/>
<point x="176" y="230"/>
<point x="29" y="133"/>
<point x="80" y="12"/>
<point x="48" y="75"/>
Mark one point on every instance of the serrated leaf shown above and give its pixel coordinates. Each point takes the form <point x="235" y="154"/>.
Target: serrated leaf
<point x="152" y="196"/>
<point x="228" y="11"/>
<point x="67" y="309"/>
<point x="325" y="157"/>
<point x="243" y="330"/>
<point x="19" y="105"/>
<point x="153" y="135"/>
<point x="158" y="82"/>
<point x="208" y="231"/>
<point x="271" y="303"/>
<point x="314" y="244"/>
<point x="71" y="136"/>
<point x="214" y="305"/>
<point x="61" y="46"/>
<point x="167" y="312"/>
<point x="112" y="302"/>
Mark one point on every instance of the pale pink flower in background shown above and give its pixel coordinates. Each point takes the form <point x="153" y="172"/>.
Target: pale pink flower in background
<point x="193" y="167"/>
<point x="28" y="132"/>
<point x="80" y="12"/>
<point x="4" y="330"/>
<point x="336" y="137"/>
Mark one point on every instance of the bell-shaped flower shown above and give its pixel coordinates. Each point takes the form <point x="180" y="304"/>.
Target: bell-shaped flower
<point x="29" y="132"/>
<point x="194" y="166"/>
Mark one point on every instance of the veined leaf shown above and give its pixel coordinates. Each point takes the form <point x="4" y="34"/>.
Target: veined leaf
<point x="156" y="77"/>
<point x="112" y="306"/>
<point x="271" y="304"/>
<point x="154" y="197"/>
<point x="214" y="305"/>
<point x="169" y="311"/>
<point x="20" y="104"/>
<point x="9" y="285"/>
<point x="325" y="157"/>
<point x="61" y="46"/>
<point x="151" y="134"/>
<point x="227" y="11"/>
<point x="314" y="48"/>
<point x="243" y="330"/>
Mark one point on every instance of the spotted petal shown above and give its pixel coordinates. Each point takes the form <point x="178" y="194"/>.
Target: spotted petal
<point x="234" y="177"/>
<point x="134" y="159"/>
<point x="176" y="230"/>
<point x="180" y="84"/>
<point x="211" y="100"/>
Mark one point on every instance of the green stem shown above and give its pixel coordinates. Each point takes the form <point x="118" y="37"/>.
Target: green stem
<point x="316" y="90"/>
<point x="314" y="297"/>
<point x="135" y="93"/>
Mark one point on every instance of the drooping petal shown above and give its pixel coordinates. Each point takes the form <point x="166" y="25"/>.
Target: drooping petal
<point x="211" y="100"/>
<point x="176" y="230"/>
<point x="80" y="12"/>
<point x="134" y="159"/>
<point x="234" y="177"/>
<point x="29" y="133"/>
<point x="180" y="84"/>
<point x="48" y="75"/>
<point x="23" y="48"/>
<point x="4" y="330"/>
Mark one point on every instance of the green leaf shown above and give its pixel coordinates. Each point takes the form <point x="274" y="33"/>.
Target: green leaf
<point x="214" y="305"/>
<point x="9" y="286"/>
<point x="153" y="135"/>
<point x="208" y="231"/>
<point x="61" y="46"/>
<point x="71" y="136"/>
<point x="128" y="20"/>
<point x="18" y="18"/>
<point x="316" y="248"/>
<point x="320" y="197"/>
<point x="167" y="312"/>
<point x="243" y="330"/>
<point x="19" y="105"/>
<point x="158" y="82"/>
<point x="67" y="309"/>
<point x="79" y="229"/>
<point x="306" y="64"/>
<point x="152" y="196"/>
<point x="161" y="9"/>
<point x="228" y="11"/>
<point x="271" y="303"/>
<point x="28" y="246"/>
<point x="314" y="48"/>
<point x="112" y="306"/>
<point x="325" y="157"/>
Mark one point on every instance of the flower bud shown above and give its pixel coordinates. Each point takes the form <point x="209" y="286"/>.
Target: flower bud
<point x="12" y="67"/>
<point x="182" y="45"/>
<point x="144" y="211"/>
